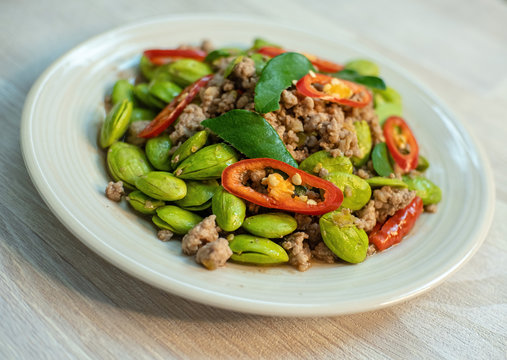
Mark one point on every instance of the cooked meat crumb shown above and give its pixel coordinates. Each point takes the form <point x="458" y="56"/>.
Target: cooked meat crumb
<point x="323" y="253"/>
<point x="298" y="250"/>
<point x="244" y="72"/>
<point x="388" y="200"/>
<point x="207" y="45"/>
<point x="222" y="95"/>
<point x="203" y="233"/>
<point x="164" y="235"/>
<point x="307" y="125"/>
<point x="371" y="250"/>
<point x="323" y="172"/>
<point x="188" y="124"/>
<point x="363" y="174"/>
<point x="289" y="99"/>
<point x="134" y="129"/>
<point x="252" y="208"/>
<point x="114" y="190"/>
<point x="432" y="208"/>
<point x="309" y="225"/>
<point x="214" y="254"/>
<point x="366" y="218"/>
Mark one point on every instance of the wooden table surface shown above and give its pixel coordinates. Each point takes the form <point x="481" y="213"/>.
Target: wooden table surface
<point x="58" y="299"/>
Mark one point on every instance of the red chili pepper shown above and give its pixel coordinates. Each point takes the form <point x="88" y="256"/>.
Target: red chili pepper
<point x="336" y="90"/>
<point x="397" y="226"/>
<point x="320" y="64"/>
<point x="171" y="112"/>
<point x="162" y="56"/>
<point x="401" y="142"/>
<point x="281" y="196"/>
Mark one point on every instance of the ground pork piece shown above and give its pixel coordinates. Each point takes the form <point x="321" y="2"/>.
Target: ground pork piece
<point x="371" y="250"/>
<point x="186" y="47"/>
<point x="309" y="225"/>
<point x="289" y="99"/>
<point x="134" y="129"/>
<point x="214" y="254"/>
<point x="244" y="100"/>
<point x="363" y="174"/>
<point x="298" y="155"/>
<point x="204" y="232"/>
<point x="366" y="218"/>
<point x="366" y="171"/>
<point x="164" y="235"/>
<point x="323" y="172"/>
<point x="207" y="45"/>
<point x="108" y="103"/>
<point x="256" y="176"/>
<point x="252" y="208"/>
<point x="307" y="125"/>
<point x="228" y="85"/>
<point x="299" y="251"/>
<point x="339" y="135"/>
<point x="432" y="208"/>
<point x="335" y="152"/>
<point x="188" y="124"/>
<point x="227" y="101"/>
<point x="323" y="253"/>
<point x="244" y="73"/>
<point x="208" y="96"/>
<point x="114" y="190"/>
<point x="388" y="200"/>
<point x="222" y="95"/>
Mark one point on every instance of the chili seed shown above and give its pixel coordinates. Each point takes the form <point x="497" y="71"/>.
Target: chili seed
<point x="296" y="179"/>
<point x="272" y="180"/>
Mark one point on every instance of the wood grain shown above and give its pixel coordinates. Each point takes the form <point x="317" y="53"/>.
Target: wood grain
<point x="60" y="300"/>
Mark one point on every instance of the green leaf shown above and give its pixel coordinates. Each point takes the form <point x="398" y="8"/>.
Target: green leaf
<point x="277" y="76"/>
<point x="250" y="134"/>
<point x="381" y="160"/>
<point x="373" y="82"/>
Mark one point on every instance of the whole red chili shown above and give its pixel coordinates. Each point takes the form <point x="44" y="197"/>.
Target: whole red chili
<point x="397" y="226"/>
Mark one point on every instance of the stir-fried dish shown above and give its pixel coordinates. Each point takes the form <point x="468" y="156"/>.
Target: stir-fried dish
<point x="265" y="155"/>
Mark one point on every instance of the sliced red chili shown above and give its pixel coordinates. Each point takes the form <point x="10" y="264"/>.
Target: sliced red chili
<point x="397" y="226"/>
<point x="337" y="90"/>
<point x="281" y="197"/>
<point x="401" y="142"/>
<point x="320" y="64"/>
<point x="271" y="51"/>
<point x="171" y="112"/>
<point x="163" y="56"/>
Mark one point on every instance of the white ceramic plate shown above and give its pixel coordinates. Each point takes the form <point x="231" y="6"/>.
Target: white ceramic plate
<point x="60" y="122"/>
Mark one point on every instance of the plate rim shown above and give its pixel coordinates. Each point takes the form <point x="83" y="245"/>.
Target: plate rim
<point x="196" y="294"/>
